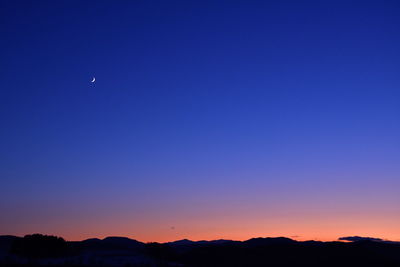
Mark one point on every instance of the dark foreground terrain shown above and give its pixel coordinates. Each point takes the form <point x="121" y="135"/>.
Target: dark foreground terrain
<point x="41" y="250"/>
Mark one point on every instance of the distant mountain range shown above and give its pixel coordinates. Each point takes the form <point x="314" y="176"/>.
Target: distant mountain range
<point x="360" y="238"/>
<point x="42" y="250"/>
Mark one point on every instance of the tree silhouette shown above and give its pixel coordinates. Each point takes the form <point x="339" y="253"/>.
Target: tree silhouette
<point x="40" y="246"/>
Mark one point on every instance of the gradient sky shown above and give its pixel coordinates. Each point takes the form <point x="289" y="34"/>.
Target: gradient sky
<point x="208" y="119"/>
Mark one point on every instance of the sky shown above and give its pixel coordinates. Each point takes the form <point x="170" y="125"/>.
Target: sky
<point x="207" y="119"/>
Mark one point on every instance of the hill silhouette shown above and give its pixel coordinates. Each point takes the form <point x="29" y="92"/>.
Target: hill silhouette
<point x="44" y="250"/>
<point x="360" y="238"/>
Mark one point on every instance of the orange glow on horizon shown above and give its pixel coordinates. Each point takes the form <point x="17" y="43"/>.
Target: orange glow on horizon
<point x="318" y="228"/>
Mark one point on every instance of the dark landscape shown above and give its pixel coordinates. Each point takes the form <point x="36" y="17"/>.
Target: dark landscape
<point x="44" y="250"/>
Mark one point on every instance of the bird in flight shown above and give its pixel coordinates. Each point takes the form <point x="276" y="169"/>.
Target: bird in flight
<point x="93" y="80"/>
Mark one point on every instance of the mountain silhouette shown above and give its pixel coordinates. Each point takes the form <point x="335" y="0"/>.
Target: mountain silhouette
<point x="44" y="250"/>
<point x="360" y="238"/>
<point x="268" y="241"/>
<point x="112" y="243"/>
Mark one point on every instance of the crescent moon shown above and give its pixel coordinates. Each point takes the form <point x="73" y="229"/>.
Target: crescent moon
<point x="94" y="79"/>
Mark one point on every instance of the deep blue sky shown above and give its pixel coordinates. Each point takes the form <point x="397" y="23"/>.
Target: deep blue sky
<point x="262" y="111"/>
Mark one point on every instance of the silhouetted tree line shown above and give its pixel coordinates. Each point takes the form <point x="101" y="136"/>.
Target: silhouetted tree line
<point x="254" y="252"/>
<point x="41" y="246"/>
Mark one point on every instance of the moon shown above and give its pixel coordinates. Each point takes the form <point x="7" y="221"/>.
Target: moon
<point x="93" y="80"/>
